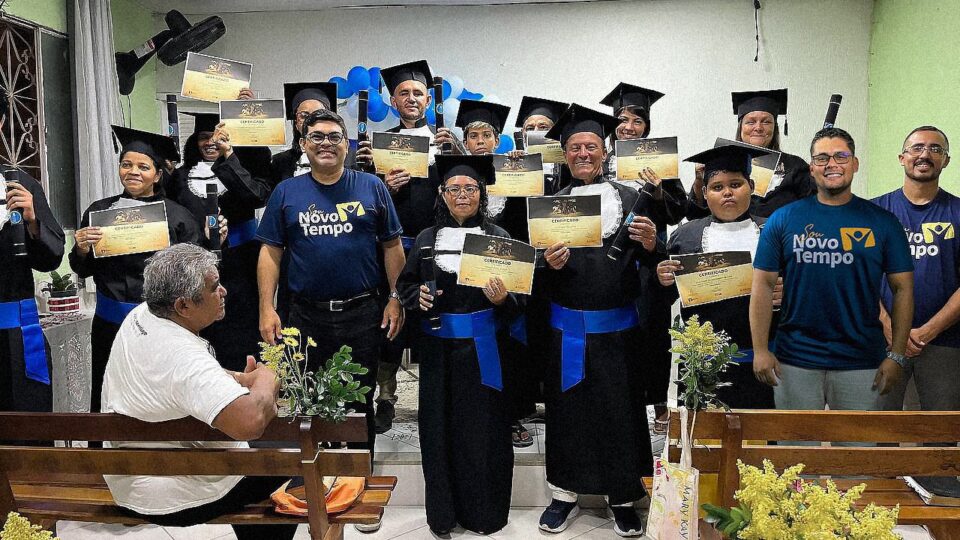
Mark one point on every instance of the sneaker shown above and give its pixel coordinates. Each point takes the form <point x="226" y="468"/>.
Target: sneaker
<point x="556" y="517"/>
<point x="626" y="521"/>
<point x="367" y="527"/>
<point x="383" y="419"/>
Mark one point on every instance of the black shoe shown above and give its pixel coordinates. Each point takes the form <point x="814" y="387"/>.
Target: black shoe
<point x="383" y="419"/>
<point x="556" y="517"/>
<point x="441" y="533"/>
<point x="626" y="521"/>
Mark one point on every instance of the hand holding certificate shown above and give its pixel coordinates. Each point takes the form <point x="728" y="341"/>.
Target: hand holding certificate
<point x="517" y="177"/>
<point x="209" y="78"/>
<point x="131" y="229"/>
<point x="255" y="122"/>
<point x="764" y="167"/>
<point x="549" y="149"/>
<point x="658" y="154"/>
<point x="712" y="277"/>
<point x="399" y="151"/>
<point x="573" y="220"/>
<point x="487" y="257"/>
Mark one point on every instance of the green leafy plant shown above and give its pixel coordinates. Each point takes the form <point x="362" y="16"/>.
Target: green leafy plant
<point x="703" y="356"/>
<point x="61" y="283"/>
<point x="18" y="527"/>
<point x="324" y="393"/>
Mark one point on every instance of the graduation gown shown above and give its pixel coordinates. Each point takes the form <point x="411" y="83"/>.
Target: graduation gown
<point x="44" y="253"/>
<point x="731" y="315"/>
<point x="464" y="424"/>
<point x="795" y="184"/>
<point x="120" y="278"/>
<point x="243" y="181"/>
<point x="597" y="440"/>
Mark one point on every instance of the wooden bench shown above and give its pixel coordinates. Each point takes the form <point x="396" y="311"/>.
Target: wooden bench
<point x="47" y="484"/>
<point x="739" y="431"/>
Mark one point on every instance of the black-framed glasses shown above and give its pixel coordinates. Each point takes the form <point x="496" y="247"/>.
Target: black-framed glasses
<point x="917" y="149"/>
<point x="317" y="137"/>
<point x="457" y="190"/>
<point x="840" y="157"/>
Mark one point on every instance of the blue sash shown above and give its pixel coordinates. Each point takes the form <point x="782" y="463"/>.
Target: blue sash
<point x="518" y="329"/>
<point x="407" y="242"/>
<point x="23" y="315"/>
<point x="575" y="325"/>
<point x="481" y="327"/>
<point x="242" y="233"/>
<point x="747" y="359"/>
<point x="111" y="310"/>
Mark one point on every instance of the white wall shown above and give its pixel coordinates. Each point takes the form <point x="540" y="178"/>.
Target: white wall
<point x="695" y="51"/>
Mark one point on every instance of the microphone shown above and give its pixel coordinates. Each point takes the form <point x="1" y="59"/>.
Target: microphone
<point x="832" y="110"/>
<point x="430" y="280"/>
<point x="619" y="244"/>
<point x="213" y="224"/>
<point x="173" y="121"/>
<point x="18" y="231"/>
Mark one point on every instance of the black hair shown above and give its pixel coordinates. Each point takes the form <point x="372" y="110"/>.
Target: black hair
<point x="445" y="219"/>
<point x="834" y="133"/>
<point x="323" y="115"/>
<point x="929" y="128"/>
<point x="158" y="188"/>
<point x="642" y="112"/>
<point x="191" y="149"/>
<point x="774" y="142"/>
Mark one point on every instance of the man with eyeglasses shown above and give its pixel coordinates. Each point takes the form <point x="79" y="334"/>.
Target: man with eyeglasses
<point x="930" y="217"/>
<point x="833" y="251"/>
<point x="332" y="221"/>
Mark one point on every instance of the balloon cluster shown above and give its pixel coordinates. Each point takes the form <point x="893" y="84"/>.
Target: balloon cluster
<point x="381" y="116"/>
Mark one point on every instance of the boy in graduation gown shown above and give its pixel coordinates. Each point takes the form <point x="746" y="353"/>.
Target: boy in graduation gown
<point x="25" y="217"/>
<point x="597" y="440"/>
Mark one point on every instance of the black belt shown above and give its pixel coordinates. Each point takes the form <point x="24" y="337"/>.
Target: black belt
<point x="336" y="305"/>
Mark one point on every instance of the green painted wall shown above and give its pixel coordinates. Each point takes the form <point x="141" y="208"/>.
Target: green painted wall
<point x="49" y="13"/>
<point x="913" y="82"/>
<point x="133" y="25"/>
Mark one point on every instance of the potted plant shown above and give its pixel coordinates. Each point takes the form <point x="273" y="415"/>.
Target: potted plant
<point x="63" y="294"/>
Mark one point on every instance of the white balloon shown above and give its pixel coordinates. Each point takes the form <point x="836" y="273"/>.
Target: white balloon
<point x="450" y="108"/>
<point x="456" y="86"/>
<point x="352" y="106"/>
<point x="385" y="95"/>
<point x="492" y="98"/>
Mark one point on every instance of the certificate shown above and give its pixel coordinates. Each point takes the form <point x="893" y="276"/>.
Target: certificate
<point x="255" y="122"/>
<point x="659" y="154"/>
<point x="209" y="78"/>
<point x="399" y="151"/>
<point x="571" y="219"/>
<point x="538" y="143"/>
<point x="485" y="257"/>
<point x="712" y="277"/>
<point x="520" y="177"/>
<point x="131" y="229"/>
<point x="763" y="167"/>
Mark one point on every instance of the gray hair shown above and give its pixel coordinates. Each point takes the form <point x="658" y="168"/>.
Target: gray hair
<point x="176" y="272"/>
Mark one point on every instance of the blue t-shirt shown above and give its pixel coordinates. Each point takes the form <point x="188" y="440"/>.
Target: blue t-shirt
<point x="330" y="233"/>
<point x="932" y="233"/>
<point x="832" y="259"/>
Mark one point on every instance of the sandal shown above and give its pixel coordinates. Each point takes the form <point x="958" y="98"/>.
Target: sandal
<point x="520" y="436"/>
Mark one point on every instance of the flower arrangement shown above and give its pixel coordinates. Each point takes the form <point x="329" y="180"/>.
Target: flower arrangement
<point x="18" y="527"/>
<point x="324" y="393"/>
<point x="703" y="356"/>
<point x="783" y="506"/>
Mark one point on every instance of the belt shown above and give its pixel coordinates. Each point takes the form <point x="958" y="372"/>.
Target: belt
<point x="407" y="242"/>
<point x="111" y="310"/>
<point x="23" y="314"/>
<point x="482" y="328"/>
<point x="336" y="305"/>
<point x="574" y="326"/>
<point x="242" y="233"/>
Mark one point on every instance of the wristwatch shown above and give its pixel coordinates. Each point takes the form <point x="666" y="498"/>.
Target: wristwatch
<point x="395" y="295"/>
<point x="900" y="359"/>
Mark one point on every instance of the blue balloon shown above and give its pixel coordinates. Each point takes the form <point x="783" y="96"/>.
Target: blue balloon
<point x="394" y="112"/>
<point x="374" y="77"/>
<point x="466" y="94"/>
<point x="359" y="79"/>
<point x="377" y="110"/>
<point x="431" y="116"/>
<point x="447" y="89"/>
<point x="506" y="145"/>
<point x="343" y="87"/>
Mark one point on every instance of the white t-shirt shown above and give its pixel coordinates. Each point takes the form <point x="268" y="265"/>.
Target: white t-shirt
<point x="160" y="371"/>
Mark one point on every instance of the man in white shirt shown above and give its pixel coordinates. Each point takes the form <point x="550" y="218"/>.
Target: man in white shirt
<point x="161" y="369"/>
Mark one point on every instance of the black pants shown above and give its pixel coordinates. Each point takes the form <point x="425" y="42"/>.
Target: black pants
<point x="252" y="489"/>
<point x="358" y="327"/>
<point x="102" y="335"/>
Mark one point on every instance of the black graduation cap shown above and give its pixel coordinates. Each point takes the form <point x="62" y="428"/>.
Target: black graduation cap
<point x="411" y="71"/>
<point x="579" y="119"/>
<point x="480" y="168"/>
<point x="158" y="147"/>
<point x="204" y="121"/>
<point x="530" y="106"/>
<point x="482" y="111"/>
<point x="729" y="157"/>
<point x="771" y="101"/>
<point x="296" y="93"/>
<point x="627" y="94"/>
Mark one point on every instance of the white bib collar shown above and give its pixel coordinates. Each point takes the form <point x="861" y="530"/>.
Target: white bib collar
<point x="611" y="207"/>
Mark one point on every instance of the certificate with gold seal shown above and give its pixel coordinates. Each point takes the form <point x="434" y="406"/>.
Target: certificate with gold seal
<point x="255" y="122"/>
<point x="517" y="177"/>
<point x="571" y="219"/>
<point x="712" y="277"/>
<point x="131" y="229"/>
<point x="550" y="150"/>
<point x="763" y="166"/>
<point x="209" y="78"/>
<point x="400" y="151"/>
<point x="485" y="257"/>
<point x="659" y="154"/>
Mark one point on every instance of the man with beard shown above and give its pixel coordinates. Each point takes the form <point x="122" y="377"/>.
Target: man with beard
<point x="930" y="218"/>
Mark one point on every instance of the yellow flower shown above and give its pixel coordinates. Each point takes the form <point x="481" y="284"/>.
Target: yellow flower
<point x="299" y="357"/>
<point x="291" y="342"/>
<point x="311" y="342"/>
<point x="295" y="332"/>
<point x="18" y="527"/>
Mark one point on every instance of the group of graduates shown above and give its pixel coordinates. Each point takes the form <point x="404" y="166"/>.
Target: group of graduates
<point x="591" y="342"/>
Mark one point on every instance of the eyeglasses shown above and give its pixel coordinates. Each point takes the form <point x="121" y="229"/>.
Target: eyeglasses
<point x="840" y="157"/>
<point x="575" y="148"/>
<point x="457" y="190"/>
<point x="918" y="149"/>
<point x="317" y="137"/>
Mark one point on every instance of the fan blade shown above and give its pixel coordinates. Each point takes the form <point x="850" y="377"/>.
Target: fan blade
<point x="196" y="39"/>
<point x="176" y="21"/>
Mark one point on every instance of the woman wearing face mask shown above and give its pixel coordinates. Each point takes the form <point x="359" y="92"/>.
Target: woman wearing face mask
<point x="464" y="414"/>
<point x="757" y="125"/>
<point x="119" y="279"/>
